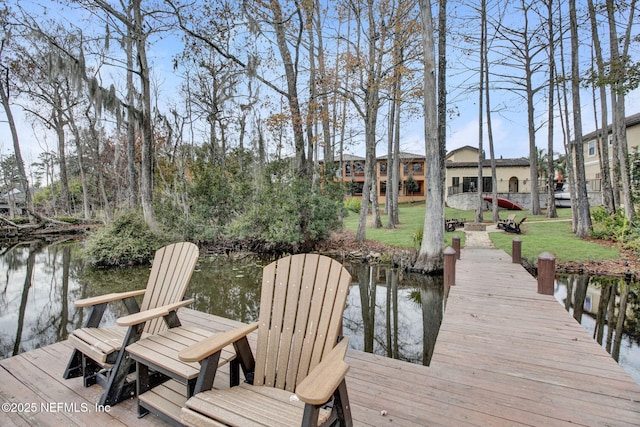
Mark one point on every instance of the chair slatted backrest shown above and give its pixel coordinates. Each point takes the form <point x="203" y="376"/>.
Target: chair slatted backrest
<point x="171" y="271"/>
<point x="301" y="308"/>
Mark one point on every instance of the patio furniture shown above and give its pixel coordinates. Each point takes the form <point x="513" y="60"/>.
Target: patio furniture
<point x="297" y="375"/>
<point x="99" y="354"/>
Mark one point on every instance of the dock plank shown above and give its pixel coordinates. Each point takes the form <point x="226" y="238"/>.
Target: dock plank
<point x="504" y="356"/>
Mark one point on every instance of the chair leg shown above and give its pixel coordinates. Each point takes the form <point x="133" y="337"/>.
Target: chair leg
<point x="90" y="371"/>
<point x="142" y="385"/>
<point x="74" y="367"/>
<point x="117" y="389"/>
<point x="341" y="405"/>
<point x="310" y="416"/>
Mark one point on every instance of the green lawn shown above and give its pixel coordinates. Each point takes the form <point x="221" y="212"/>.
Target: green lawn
<point x="411" y="222"/>
<point x="552" y="236"/>
<point x="557" y="238"/>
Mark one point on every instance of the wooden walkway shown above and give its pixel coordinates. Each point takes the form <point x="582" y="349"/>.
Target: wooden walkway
<point x="504" y="356"/>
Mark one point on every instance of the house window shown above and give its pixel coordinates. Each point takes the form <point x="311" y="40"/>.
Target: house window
<point x="355" y="188"/>
<point x="469" y="184"/>
<point x="417" y="167"/>
<point x="487" y="184"/>
<point x="592" y="148"/>
<point x="383" y="168"/>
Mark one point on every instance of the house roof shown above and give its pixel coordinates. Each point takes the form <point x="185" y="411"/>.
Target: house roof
<point x="466" y="147"/>
<point x="404" y="156"/>
<point x="347" y="158"/>
<point x="500" y="163"/>
<point x="630" y="121"/>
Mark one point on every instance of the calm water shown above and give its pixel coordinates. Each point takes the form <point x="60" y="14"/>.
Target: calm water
<point x="388" y="313"/>
<point x="594" y="301"/>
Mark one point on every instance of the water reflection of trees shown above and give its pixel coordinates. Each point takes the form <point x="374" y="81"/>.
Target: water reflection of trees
<point x="394" y="313"/>
<point x="41" y="283"/>
<point x="230" y="290"/>
<point x="389" y="312"/>
<point x="611" y="301"/>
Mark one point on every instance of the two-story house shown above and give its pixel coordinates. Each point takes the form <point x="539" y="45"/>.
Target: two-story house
<point x="461" y="174"/>
<point x="592" y="155"/>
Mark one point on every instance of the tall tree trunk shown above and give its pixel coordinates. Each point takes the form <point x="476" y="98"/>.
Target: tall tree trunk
<point x="132" y="178"/>
<point x="480" y="183"/>
<point x="147" y="158"/>
<point x="388" y="206"/>
<point x="566" y="123"/>
<point x="83" y="176"/>
<point x="551" y="203"/>
<point x="617" y="103"/>
<point x="494" y="179"/>
<point x="279" y="25"/>
<point x="606" y="176"/>
<point x="583" y="227"/>
<point x="59" y="124"/>
<point x="4" y="96"/>
<point x="395" y="165"/>
<point x="530" y="93"/>
<point x="95" y="147"/>
<point x="430" y="257"/>
<point x="442" y="90"/>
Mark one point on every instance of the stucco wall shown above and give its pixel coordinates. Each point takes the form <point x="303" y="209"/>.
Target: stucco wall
<point x="469" y="201"/>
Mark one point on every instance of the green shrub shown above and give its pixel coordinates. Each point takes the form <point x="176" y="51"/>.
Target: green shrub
<point x="353" y="204"/>
<point x="417" y="236"/>
<point x="286" y="211"/>
<point x="128" y="240"/>
<point x="615" y="227"/>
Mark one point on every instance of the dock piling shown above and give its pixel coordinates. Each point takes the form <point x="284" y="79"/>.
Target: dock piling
<point x="455" y="242"/>
<point x="516" y="251"/>
<point x="449" y="266"/>
<point x="546" y="273"/>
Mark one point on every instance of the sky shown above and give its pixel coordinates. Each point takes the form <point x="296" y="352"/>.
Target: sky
<point x="509" y="127"/>
<point x="510" y="132"/>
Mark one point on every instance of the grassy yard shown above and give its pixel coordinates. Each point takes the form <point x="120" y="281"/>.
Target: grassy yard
<point x="411" y="222"/>
<point x="557" y="238"/>
<point x="540" y="234"/>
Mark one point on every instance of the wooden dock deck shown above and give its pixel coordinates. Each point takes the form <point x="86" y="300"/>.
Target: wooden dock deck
<point x="504" y="356"/>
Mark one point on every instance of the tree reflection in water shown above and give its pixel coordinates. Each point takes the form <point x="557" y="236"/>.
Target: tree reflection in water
<point x="394" y="313"/>
<point x="608" y="307"/>
<point x="389" y="312"/>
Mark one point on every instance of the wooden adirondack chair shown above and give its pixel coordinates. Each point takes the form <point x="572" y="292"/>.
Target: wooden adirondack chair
<point x="299" y="363"/>
<point x="99" y="353"/>
<point x="503" y="222"/>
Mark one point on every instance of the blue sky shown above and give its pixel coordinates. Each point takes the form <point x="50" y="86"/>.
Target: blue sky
<point x="509" y="127"/>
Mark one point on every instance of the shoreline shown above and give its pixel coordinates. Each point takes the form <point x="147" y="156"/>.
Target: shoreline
<point x="343" y="244"/>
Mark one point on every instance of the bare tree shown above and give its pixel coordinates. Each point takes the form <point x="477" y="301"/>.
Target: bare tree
<point x="6" y="104"/>
<point x="583" y="226"/>
<point x="134" y="19"/>
<point x="522" y="52"/>
<point x="609" y="196"/>
<point x="618" y="80"/>
<point x="431" y="257"/>
<point x="551" y="204"/>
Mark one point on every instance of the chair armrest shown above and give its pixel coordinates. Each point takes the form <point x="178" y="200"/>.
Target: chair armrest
<point x="324" y="379"/>
<point x="154" y="313"/>
<point x="215" y="343"/>
<point x="87" y="302"/>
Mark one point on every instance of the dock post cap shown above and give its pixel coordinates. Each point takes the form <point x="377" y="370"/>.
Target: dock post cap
<point x="449" y="251"/>
<point x="547" y="256"/>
